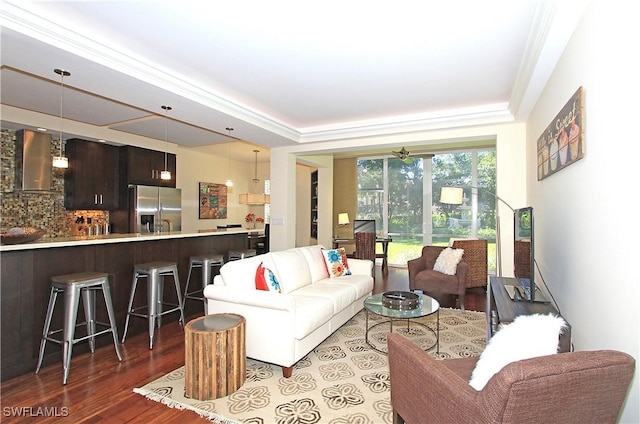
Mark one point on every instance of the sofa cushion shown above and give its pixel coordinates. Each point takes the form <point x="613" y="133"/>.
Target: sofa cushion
<point x="291" y="269"/>
<point x="242" y="273"/>
<point x="315" y="261"/>
<point x="362" y="284"/>
<point x="266" y="279"/>
<point x="336" y="262"/>
<point x="447" y="261"/>
<point x="311" y="313"/>
<point x="340" y="295"/>
<point x="528" y="336"/>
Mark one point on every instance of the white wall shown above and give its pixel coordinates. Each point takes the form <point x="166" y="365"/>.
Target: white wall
<point x="195" y="167"/>
<point x="585" y="224"/>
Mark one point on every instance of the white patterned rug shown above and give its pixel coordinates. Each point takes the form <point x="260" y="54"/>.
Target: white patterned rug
<point x="343" y="380"/>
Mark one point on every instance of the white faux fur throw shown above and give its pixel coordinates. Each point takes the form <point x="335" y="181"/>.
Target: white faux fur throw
<point x="528" y="336"/>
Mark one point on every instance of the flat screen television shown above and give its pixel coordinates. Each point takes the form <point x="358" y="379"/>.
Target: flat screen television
<point x="523" y="257"/>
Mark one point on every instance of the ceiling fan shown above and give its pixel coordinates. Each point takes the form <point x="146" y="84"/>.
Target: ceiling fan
<point x="404" y="155"/>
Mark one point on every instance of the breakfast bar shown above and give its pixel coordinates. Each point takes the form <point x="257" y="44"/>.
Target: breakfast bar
<point x="26" y="270"/>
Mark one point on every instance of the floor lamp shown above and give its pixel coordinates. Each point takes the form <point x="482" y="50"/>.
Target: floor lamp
<point x="453" y="196"/>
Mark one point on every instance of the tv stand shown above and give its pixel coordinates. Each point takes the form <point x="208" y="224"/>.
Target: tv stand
<point x="518" y="293"/>
<point x="501" y="309"/>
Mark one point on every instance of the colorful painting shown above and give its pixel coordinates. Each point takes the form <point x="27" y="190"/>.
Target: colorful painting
<point x="562" y="142"/>
<point x="213" y="201"/>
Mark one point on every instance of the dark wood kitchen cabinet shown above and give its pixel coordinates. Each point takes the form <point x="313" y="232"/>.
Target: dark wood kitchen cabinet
<point x="143" y="166"/>
<point x="92" y="180"/>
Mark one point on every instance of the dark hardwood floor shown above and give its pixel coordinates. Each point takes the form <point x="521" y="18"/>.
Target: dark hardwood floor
<point x="100" y="389"/>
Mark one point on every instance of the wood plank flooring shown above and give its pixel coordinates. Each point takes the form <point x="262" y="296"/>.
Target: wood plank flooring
<point x="100" y="389"/>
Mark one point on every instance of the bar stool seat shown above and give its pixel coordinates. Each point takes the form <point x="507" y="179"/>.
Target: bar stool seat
<point x="73" y="286"/>
<point x="235" y="255"/>
<point x="154" y="272"/>
<point x="205" y="262"/>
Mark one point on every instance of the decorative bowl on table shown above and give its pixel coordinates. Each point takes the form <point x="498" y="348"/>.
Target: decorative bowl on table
<point x="400" y="300"/>
<point x="19" y="235"/>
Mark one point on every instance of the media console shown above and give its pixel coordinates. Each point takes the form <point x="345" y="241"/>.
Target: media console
<point x="501" y="309"/>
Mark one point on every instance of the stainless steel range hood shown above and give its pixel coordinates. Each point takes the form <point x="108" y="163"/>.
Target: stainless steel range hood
<point x="33" y="161"/>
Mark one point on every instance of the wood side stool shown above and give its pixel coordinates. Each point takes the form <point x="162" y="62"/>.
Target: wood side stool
<point x="215" y="356"/>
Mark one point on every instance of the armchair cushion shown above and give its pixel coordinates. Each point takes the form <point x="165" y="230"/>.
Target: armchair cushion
<point x="448" y="260"/>
<point x="423" y="277"/>
<point x="528" y="336"/>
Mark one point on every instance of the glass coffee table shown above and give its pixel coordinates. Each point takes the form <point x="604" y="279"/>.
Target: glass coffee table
<point x="422" y="306"/>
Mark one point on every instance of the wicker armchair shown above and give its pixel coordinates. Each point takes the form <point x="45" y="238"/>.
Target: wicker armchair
<point x="475" y="254"/>
<point x="423" y="277"/>
<point x="576" y="387"/>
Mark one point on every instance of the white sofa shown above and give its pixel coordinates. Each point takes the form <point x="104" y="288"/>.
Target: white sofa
<point x="283" y="327"/>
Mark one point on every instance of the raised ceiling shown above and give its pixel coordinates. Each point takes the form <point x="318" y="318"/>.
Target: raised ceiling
<point x="282" y="72"/>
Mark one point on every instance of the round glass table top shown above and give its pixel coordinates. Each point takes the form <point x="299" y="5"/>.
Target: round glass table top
<point x="427" y="306"/>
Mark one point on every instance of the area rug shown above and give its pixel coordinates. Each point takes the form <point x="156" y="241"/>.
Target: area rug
<point x="343" y="380"/>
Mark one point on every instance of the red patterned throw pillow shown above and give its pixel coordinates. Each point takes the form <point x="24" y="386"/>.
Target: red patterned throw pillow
<point x="266" y="279"/>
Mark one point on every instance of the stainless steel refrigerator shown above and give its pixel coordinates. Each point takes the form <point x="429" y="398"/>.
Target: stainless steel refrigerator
<point x="155" y="209"/>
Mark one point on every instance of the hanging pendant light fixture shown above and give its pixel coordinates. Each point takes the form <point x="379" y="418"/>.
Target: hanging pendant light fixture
<point x="255" y="198"/>
<point x="61" y="161"/>
<point x="229" y="182"/>
<point x="166" y="174"/>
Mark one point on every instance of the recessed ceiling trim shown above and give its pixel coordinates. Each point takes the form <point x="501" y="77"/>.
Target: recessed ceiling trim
<point x="28" y="23"/>
<point x="490" y="114"/>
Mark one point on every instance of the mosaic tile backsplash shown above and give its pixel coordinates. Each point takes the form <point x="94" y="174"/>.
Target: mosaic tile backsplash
<point x="40" y="210"/>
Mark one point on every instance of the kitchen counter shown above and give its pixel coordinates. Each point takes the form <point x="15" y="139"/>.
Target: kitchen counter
<point x="46" y="243"/>
<point x="26" y="271"/>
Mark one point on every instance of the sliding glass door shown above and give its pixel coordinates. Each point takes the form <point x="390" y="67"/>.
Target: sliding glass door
<point x="394" y="194"/>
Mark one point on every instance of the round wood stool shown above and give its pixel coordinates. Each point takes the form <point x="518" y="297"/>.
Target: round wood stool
<point x="215" y="356"/>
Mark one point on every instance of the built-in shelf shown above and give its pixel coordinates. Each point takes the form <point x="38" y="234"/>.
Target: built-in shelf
<point x="314" y="204"/>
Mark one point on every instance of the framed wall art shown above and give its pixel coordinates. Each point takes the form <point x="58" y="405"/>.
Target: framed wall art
<point x="213" y="201"/>
<point x="562" y="142"/>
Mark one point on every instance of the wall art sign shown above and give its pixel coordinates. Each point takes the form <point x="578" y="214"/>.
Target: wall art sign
<point x="213" y="201"/>
<point x="562" y="142"/>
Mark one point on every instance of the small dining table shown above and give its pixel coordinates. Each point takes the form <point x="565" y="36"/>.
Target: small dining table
<point x="384" y="241"/>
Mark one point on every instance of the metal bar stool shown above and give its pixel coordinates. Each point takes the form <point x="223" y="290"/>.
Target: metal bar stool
<point x="235" y="255"/>
<point x="72" y="286"/>
<point x="205" y="262"/>
<point x="154" y="272"/>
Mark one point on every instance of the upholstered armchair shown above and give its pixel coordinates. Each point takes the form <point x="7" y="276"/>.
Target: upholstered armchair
<point x="576" y="387"/>
<point x="423" y="277"/>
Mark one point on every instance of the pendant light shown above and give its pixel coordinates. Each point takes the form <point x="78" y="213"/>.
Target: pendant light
<point x="166" y="174"/>
<point x="255" y="198"/>
<point x="61" y="161"/>
<point x="229" y="182"/>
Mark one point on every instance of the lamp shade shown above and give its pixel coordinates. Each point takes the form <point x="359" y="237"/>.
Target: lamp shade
<point x="343" y="218"/>
<point x="451" y="195"/>
<point x="254" y="198"/>
<point x="60" y="162"/>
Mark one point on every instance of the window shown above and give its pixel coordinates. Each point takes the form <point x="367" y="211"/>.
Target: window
<point x="393" y="193"/>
